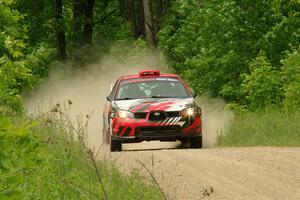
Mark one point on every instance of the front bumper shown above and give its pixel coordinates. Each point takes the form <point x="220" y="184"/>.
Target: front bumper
<point x="160" y="137"/>
<point x="132" y="130"/>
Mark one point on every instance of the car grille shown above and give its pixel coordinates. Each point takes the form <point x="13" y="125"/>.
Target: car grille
<point x="157" y="130"/>
<point x="156" y="115"/>
<point x="161" y="115"/>
<point x="173" y="114"/>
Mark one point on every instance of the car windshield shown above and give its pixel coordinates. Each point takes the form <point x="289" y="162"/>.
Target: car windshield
<point x="141" y="88"/>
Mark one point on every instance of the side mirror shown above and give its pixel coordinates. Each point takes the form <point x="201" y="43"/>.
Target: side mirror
<point x="108" y="98"/>
<point x="194" y="93"/>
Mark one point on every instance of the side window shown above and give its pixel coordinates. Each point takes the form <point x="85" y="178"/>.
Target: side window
<point x="121" y="92"/>
<point x="113" y="90"/>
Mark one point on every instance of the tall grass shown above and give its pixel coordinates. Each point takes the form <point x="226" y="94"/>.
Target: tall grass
<point x="49" y="159"/>
<point x="263" y="128"/>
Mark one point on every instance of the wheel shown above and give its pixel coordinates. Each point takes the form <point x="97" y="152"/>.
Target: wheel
<point x="115" y="145"/>
<point x="196" y="142"/>
<point x="184" y="142"/>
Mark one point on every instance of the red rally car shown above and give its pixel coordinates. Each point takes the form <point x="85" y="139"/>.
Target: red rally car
<point x="151" y="106"/>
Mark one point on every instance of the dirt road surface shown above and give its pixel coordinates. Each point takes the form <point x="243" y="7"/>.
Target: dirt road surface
<point x="218" y="173"/>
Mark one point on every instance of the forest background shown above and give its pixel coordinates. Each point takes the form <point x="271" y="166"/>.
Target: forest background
<point x="246" y="52"/>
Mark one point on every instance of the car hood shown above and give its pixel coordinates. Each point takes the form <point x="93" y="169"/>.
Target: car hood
<point x="148" y="105"/>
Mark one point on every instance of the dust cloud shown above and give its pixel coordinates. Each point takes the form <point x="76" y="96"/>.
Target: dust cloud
<point x="88" y="87"/>
<point x="216" y="118"/>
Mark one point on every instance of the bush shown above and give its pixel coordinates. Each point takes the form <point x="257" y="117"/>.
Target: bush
<point x="20" y="156"/>
<point x="19" y="75"/>
<point x="262" y="86"/>
<point x="291" y="78"/>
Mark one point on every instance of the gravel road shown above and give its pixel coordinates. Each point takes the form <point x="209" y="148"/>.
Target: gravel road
<point x="217" y="173"/>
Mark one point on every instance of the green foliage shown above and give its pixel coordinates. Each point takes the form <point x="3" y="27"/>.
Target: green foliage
<point x="20" y="64"/>
<point x="11" y="31"/>
<point x="19" y="155"/>
<point x="214" y="45"/>
<point x="14" y="76"/>
<point x="262" y="87"/>
<point x="38" y="21"/>
<point x="291" y="77"/>
<point x="285" y="33"/>
<point x="270" y="127"/>
<point x="41" y="160"/>
<point x="110" y="25"/>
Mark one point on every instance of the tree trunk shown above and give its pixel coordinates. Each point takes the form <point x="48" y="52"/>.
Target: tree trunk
<point x="78" y="12"/>
<point x="133" y="11"/>
<point x="88" y="23"/>
<point x="159" y="14"/>
<point x="130" y="14"/>
<point x="139" y="19"/>
<point x="60" y="34"/>
<point x="149" y="28"/>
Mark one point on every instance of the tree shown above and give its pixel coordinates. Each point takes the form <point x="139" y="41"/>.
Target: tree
<point x="149" y="26"/>
<point x="20" y="62"/>
<point x="133" y="11"/>
<point x="87" y="36"/>
<point x="60" y="34"/>
<point x="83" y="22"/>
<point x="78" y="12"/>
<point x="211" y="43"/>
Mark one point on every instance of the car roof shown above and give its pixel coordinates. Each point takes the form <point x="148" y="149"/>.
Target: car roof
<point x="157" y="74"/>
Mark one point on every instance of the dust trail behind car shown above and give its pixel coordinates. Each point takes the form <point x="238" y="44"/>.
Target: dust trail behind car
<point x="88" y="87"/>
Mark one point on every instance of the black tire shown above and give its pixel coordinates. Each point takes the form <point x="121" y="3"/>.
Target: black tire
<point x="115" y="145"/>
<point x="196" y="142"/>
<point x="184" y="142"/>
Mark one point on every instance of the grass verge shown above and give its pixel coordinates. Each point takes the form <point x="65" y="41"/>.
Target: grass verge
<point x="48" y="159"/>
<point x="264" y="128"/>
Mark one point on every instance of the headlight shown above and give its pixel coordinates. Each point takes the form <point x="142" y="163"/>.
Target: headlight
<point x="190" y="112"/>
<point x="123" y="114"/>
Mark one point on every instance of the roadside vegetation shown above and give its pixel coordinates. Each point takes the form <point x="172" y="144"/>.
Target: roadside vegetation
<point x="246" y="52"/>
<point x="48" y="158"/>
<point x="262" y="128"/>
<point x="276" y="123"/>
